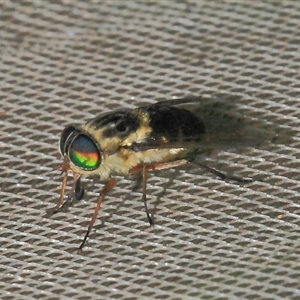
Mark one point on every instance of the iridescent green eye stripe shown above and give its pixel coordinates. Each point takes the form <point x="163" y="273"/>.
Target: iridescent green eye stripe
<point x="84" y="160"/>
<point x="84" y="153"/>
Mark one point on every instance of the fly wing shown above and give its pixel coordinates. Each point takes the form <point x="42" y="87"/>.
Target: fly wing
<point x="225" y="127"/>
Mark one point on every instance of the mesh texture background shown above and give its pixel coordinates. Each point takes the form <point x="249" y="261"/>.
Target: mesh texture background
<point x="64" y="62"/>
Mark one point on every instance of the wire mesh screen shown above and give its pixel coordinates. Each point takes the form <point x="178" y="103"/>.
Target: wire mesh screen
<point x="64" y="62"/>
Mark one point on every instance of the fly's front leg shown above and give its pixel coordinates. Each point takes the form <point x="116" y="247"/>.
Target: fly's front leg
<point x="108" y="187"/>
<point x="76" y="187"/>
<point x="61" y="198"/>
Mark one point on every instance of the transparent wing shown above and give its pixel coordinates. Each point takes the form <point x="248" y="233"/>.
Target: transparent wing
<point x="225" y="127"/>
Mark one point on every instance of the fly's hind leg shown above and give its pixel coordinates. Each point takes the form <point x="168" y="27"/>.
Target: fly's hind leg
<point x="225" y="176"/>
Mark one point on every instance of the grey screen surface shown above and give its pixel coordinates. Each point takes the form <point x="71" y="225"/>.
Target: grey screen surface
<point x="64" y="62"/>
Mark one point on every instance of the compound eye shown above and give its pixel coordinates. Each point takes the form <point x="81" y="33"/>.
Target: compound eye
<point x="84" y="153"/>
<point x="65" y="139"/>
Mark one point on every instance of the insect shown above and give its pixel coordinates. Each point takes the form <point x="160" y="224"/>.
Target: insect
<point x="158" y="136"/>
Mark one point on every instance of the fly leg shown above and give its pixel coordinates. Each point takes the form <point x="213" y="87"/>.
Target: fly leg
<point x="152" y="167"/>
<point x="61" y="198"/>
<point x="225" y="176"/>
<point x="109" y="185"/>
<point x="76" y="187"/>
<point x="144" y="197"/>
